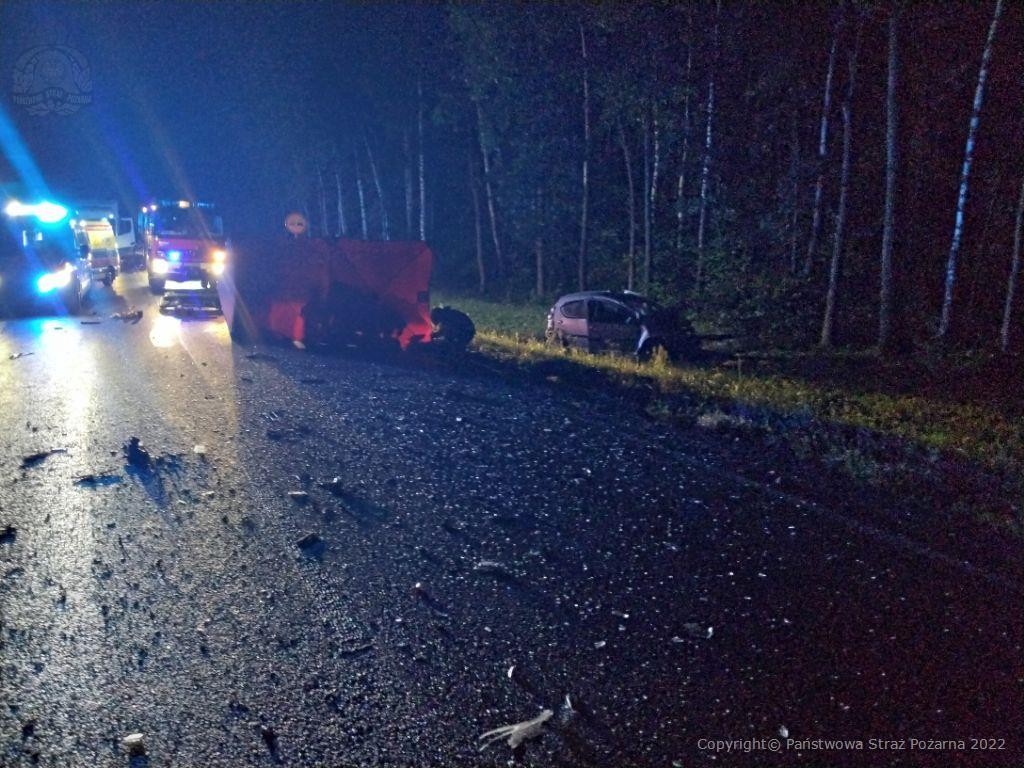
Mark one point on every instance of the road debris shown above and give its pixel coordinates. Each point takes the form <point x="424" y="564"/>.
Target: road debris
<point x="135" y="743"/>
<point x="269" y="738"/>
<point x="19" y="355"/>
<point x="200" y="451"/>
<point x="130" y="315"/>
<point x="90" y="322"/>
<point x="334" y="486"/>
<point x="8" y="535"/>
<point x="311" y="545"/>
<point x="783" y="731"/>
<point x="299" y="497"/>
<point x="493" y="568"/>
<point x="696" y="632"/>
<point x="137" y="454"/>
<point x="516" y="733"/>
<point x="94" y="480"/>
<point x="33" y="459"/>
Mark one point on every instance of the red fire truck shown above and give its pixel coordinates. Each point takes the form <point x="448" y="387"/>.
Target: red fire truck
<point x="183" y="240"/>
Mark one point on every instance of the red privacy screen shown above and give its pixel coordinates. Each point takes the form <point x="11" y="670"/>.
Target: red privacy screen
<point x="274" y="279"/>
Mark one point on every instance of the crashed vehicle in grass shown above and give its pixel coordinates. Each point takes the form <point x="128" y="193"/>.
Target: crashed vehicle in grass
<point x="620" y="321"/>
<point x="336" y="293"/>
<point x="42" y="266"/>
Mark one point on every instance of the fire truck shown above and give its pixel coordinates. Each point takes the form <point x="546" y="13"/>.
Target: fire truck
<point x="183" y="241"/>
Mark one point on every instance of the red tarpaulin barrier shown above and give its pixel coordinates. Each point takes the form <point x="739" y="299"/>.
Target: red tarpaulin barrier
<point x="273" y="280"/>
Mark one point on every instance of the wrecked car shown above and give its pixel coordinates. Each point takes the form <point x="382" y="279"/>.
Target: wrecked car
<point x="620" y="321"/>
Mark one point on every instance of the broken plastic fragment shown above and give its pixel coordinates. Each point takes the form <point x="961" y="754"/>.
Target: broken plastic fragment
<point x="516" y="733"/>
<point x="783" y="731"/>
<point x="134" y="743"/>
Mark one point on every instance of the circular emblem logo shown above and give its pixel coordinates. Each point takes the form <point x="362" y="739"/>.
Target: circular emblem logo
<point x="296" y="223"/>
<point x="52" y="79"/>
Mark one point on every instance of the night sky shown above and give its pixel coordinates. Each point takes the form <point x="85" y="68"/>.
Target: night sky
<point x="215" y="101"/>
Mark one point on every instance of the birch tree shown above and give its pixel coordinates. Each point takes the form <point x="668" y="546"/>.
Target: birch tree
<point x="342" y="230"/>
<point x="838" y="243"/>
<point x="651" y="201"/>
<point x="630" y="207"/>
<point x="385" y="228"/>
<point x="422" y="162"/>
<point x="407" y="178"/>
<point x="685" y="139"/>
<point x="322" y="194"/>
<point x="965" y="173"/>
<point x="1011" y="284"/>
<point x="474" y="190"/>
<point x="360" y="193"/>
<point x="826" y="110"/>
<point x="489" y="188"/>
<point x="581" y="263"/>
<point x="885" y="298"/>
<point x="705" y="175"/>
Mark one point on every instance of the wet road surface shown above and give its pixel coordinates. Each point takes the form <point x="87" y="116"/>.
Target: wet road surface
<point x="338" y="561"/>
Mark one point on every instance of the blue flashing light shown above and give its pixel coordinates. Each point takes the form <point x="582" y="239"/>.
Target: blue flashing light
<point x="51" y="281"/>
<point x="174" y="255"/>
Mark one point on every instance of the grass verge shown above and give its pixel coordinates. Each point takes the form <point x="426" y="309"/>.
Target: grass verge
<point x="879" y="422"/>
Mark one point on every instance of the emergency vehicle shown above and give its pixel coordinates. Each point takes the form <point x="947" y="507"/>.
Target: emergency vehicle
<point x="183" y="240"/>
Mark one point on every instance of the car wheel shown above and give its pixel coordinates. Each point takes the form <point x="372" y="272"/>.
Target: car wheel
<point x="452" y="328"/>
<point x="156" y="285"/>
<point x="73" y="301"/>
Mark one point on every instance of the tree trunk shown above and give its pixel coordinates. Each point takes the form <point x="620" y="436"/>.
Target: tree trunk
<point x="323" y="201"/>
<point x="652" y="195"/>
<point x="538" y="242"/>
<point x="407" y="152"/>
<point x="581" y="262"/>
<point x="1011" y="285"/>
<point x="489" y="191"/>
<point x="360" y="193"/>
<point x="385" y="228"/>
<point x="422" y="162"/>
<point x="794" y="188"/>
<point x="826" y="109"/>
<point x="647" y="203"/>
<point x="965" y="173"/>
<point x="684" y="155"/>
<point x="705" y="175"/>
<point x="481" y="266"/>
<point x="885" y="303"/>
<point x="828" y="322"/>
<point x="342" y="224"/>
<point x="631" y="202"/>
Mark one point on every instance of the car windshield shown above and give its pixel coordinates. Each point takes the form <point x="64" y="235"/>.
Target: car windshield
<point x="187" y="222"/>
<point x="49" y="245"/>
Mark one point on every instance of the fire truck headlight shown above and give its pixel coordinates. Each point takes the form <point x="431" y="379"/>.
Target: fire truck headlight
<point x="159" y="266"/>
<point x="217" y="268"/>
<point x="220" y="256"/>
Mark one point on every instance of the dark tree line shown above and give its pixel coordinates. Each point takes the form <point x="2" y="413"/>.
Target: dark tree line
<point x="833" y="173"/>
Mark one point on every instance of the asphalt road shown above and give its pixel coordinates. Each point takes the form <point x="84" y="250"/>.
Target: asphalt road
<point x="487" y="550"/>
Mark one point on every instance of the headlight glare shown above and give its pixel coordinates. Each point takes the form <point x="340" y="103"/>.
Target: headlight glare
<point x="159" y="266"/>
